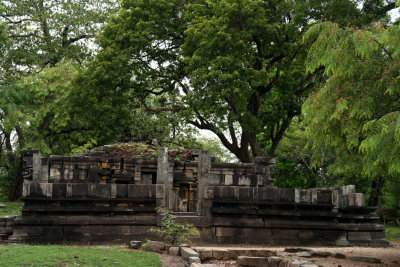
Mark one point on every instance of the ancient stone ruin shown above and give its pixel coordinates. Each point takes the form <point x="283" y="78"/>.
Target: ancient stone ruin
<point x="101" y="196"/>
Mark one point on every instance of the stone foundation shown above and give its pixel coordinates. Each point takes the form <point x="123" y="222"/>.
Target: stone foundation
<point x="98" y="199"/>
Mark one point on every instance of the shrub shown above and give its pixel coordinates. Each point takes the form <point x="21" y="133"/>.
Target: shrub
<point x="172" y="231"/>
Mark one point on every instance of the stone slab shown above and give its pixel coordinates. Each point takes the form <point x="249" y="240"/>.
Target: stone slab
<point x="174" y="251"/>
<point x="155" y="245"/>
<point x="252" y="261"/>
<point x="187" y="252"/>
<point x="204" y="253"/>
<point x="220" y="253"/>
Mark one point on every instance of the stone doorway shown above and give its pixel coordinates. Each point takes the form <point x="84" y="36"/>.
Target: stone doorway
<point x="186" y="197"/>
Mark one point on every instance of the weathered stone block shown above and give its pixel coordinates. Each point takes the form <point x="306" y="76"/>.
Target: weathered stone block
<point x="187" y="252"/>
<point x="305" y="196"/>
<point x="378" y="235"/>
<point x="155" y="245"/>
<point x="80" y="190"/>
<point x="36" y="190"/>
<point x="324" y="196"/>
<point x="204" y="253"/>
<point x="222" y="192"/>
<point x="342" y="243"/>
<point x="253" y="261"/>
<point x="208" y="192"/>
<point x="220" y="253"/>
<point x="347" y="189"/>
<point x="215" y="179"/>
<point x="334" y="235"/>
<point x="268" y="194"/>
<point x="228" y="232"/>
<point x="287" y="194"/>
<point x="365" y="259"/>
<point x="194" y="260"/>
<point x="356" y="200"/>
<point x="284" y="234"/>
<point x="122" y="190"/>
<point x="310" y="235"/>
<point x="160" y="191"/>
<point x="258" y="235"/>
<point x="99" y="190"/>
<point x="244" y="181"/>
<point x="234" y="253"/>
<point x="260" y="253"/>
<point x="228" y="179"/>
<point x="174" y="251"/>
<point x="135" y="244"/>
<point x="359" y="236"/>
<point x="244" y="194"/>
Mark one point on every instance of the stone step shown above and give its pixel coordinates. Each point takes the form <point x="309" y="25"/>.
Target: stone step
<point x="207" y="253"/>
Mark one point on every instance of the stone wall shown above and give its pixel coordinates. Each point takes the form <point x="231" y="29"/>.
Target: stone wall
<point x="95" y="198"/>
<point x="280" y="216"/>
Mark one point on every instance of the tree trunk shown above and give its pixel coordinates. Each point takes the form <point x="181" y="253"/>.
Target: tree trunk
<point x="376" y="191"/>
<point x="14" y="171"/>
<point x="15" y="190"/>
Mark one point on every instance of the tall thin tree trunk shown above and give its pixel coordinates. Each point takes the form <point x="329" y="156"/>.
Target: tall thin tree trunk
<point x="376" y="191"/>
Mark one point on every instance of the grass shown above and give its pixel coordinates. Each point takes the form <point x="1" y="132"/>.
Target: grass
<point x="392" y="233"/>
<point x="12" y="208"/>
<point x="27" y="255"/>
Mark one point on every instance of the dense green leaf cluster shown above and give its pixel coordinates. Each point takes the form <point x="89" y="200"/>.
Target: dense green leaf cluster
<point x="235" y="68"/>
<point x="358" y="108"/>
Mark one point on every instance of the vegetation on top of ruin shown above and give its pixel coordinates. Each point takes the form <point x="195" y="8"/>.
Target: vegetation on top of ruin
<point x="148" y="151"/>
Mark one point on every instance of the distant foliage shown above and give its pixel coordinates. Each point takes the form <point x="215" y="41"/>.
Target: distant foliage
<point x="173" y="232"/>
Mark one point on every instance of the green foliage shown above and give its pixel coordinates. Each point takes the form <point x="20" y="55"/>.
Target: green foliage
<point x="392" y="233"/>
<point x="235" y="68"/>
<point x="26" y="255"/>
<point x="357" y="109"/>
<point x="293" y="160"/>
<point x="35" y="100"/>
<point x="12" y="208"/>
<point x="173" y="232"/>
<point x="391" y="198"/>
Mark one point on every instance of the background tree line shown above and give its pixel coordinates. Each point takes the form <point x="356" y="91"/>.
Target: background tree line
<point x="313" y="83"/>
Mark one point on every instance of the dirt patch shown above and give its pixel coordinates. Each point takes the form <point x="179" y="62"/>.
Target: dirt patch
<point x="171" y="261"/>
<point x="389" y="256"/>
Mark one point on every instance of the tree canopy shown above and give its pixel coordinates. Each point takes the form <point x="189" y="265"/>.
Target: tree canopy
<point x="235" y="68"/>
<point x="357" y="110"/>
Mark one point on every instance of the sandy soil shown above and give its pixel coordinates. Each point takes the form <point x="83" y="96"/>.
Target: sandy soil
<point x="171" y="261"/>
<point x="389" y="256"/>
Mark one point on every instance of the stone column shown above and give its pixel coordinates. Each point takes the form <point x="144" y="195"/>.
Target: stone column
<point x="203" y="172"/>
<point x="262" y="168"/>
<point x="165" y="177"/>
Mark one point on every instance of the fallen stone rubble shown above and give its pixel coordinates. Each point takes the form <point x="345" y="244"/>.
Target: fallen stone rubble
<point x="247" y="257"/>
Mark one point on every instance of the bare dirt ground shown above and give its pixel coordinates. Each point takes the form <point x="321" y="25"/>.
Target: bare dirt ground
<point x="171" y="261"/>
<point x="389" y="256"/>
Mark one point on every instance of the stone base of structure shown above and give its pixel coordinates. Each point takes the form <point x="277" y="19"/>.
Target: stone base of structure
<point x="107" y="200"/>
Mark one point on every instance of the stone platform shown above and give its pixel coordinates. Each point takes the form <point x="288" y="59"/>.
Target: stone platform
<point x="101" y="199"/>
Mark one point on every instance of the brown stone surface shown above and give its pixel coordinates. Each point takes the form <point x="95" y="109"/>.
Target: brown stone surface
<point x="155" y="245"/>
<point x="252" y="261"/>
<point x="187" y="252"/>
<point x="220" y="253"/>
<point x="204" y="253"/>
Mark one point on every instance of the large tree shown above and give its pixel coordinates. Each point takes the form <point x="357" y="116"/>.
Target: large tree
<point x="40" y="34"/>
<point x="357" y="110"/>
<point x="233" y="67"/>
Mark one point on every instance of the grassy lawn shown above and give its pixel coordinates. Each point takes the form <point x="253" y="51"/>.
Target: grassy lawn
<point x="12" y="208"/>
<point x="392" y="233"/>
<point x="26" y="255"/>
